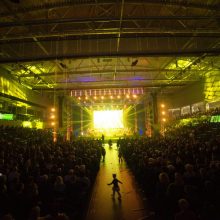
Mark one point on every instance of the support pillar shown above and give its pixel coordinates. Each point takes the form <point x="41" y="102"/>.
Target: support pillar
<point x="68" y="121"/>
<point x="155" y="127"/>
<point x="81" y="121"/>
<point x="60" y="111"/>
<point x="148" y="118"/>
<point x="135" y="120"/>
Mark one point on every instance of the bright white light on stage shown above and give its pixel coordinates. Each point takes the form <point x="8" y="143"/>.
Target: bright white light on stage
<point x="108" y="119"/>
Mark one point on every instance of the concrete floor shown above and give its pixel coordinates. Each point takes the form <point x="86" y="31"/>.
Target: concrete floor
<point x="102" y="206"/>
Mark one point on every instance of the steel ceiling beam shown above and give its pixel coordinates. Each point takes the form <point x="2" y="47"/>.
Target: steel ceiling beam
<point x="113" y="33"/>
<point x="102" y="20"/>
<point x="70" y="82"/>
<point x="109" y="86"/>
<point x="83" y="72"/>
<point x="120" y="23"/>
<point x="208" y="52"/>
<point x="61" y="4"/>
<point x="24" y="39"/>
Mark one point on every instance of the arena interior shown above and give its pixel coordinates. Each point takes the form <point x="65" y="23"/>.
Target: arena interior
<point x="91" y="88"/>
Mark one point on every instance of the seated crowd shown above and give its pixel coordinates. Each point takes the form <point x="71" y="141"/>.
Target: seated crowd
<point x="40" y="179"/>
<point x="180" y="172"/>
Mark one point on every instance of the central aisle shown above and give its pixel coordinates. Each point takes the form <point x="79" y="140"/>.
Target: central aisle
<point x="102" y="205"/>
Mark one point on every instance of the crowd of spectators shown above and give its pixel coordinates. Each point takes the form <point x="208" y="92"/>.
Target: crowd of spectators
<point x="43" y="180"/>
<point x="40" y="179"/>
<point x="179" y="172"/>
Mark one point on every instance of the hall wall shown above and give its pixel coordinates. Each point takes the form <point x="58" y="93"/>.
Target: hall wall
<point x="13" y="88"/>
<point x="190" y="95"/>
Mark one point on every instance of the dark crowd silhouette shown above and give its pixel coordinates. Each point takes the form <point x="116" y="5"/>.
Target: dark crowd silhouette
<point x="40" y="179"/>
<point x="180" y="172"/>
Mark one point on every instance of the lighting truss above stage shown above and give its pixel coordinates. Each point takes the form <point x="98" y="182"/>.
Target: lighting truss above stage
<point x="107" y="92"/>
<point x="111" y="96"/>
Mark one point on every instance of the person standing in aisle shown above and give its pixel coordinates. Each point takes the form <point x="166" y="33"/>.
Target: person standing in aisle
<point x="115" y="187"/>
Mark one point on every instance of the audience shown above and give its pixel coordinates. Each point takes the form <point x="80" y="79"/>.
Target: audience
<point x="40" y="179"/>
<point x="179" y="172"/>
<point x="43" y="180"/>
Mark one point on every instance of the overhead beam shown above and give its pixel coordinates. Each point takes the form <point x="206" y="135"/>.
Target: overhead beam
<point x="116" y="81"/>
<point x="120" y="23"/>
<point x="109" y="86"/>
<point x="112" y="33"/>
<point x="62" y="4"/>
<point x="102" y="20"/>
<point x="208" y="52"/>
<point x="83" y="72"/>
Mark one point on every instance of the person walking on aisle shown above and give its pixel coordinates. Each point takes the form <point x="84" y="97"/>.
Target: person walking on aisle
<point x="115" y="187"/>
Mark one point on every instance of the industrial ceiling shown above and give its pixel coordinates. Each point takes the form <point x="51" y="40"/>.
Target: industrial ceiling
<point x="63" y="45"/>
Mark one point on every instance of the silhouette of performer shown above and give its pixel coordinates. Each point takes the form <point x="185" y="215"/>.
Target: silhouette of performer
<point x="103" y="153"/>
<point x="103" y="138"/>
<point x="115" y="187"/>
<point x="120" y="155"/>
<point x="110" y="143"/>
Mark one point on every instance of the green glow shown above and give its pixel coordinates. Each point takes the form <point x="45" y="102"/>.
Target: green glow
<point x="215" y="118"/>
<point x="35" y="70"/>
<point x="10" y="88"/>
<point x="35" y="124"/>
<point x="23" y="72"/>
<point x="27" y="124"/>
<point x="108" y="119"/>
<point x="212" y="86"/>
<point x="185" y="121"/>
<point x="181" y="63"/>
<point x="39" y="125"/>
<point x="193" y="121"/>
<point x="21" y="104"/>
<point x="6" y="116"/>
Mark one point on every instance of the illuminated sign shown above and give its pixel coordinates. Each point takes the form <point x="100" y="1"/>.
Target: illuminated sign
<point x="6" y="116"/>
<point x="215" y="118"/>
